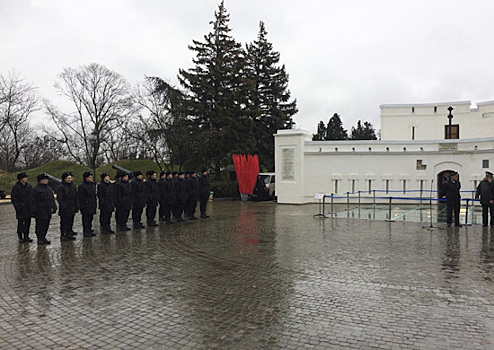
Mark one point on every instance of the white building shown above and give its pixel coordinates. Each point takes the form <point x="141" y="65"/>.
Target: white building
<point x="415" y="152"/>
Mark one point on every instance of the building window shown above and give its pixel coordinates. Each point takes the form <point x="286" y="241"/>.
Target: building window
<point x="353" y="186"/>
<point x="421" y="166"/>
<point x="435" y="109"/>
<point x="413" y="132"/>
<point x="455" y="132"/>
<point x="413" y="109"/>
<point x="404" y="186"/>
<point x="335" y="186"/>
<point x="370" y="186"/>
<point x="387" y="186"/>
<point x="485" y="163"/>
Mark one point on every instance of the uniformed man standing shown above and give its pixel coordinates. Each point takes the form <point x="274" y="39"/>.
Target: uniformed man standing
<point x="485" y="191"/>
<point x="20" y="200"/>
<point x="42" y="206"/>
<point x="170" y="199"/>
<point x="68" y="206"/>
<point x="192" y="195"/>
<point x="203" y="192"/>
<point x="123" y="201"/>
<point x="161" y="190"/>
<point x="138" y="199"/>
<point x="87" y="203"/>
<point x="152" y="197"/>
<point x="180" y="189"/>
<point x="451" y="190"/>
<point x="106" y="203"/>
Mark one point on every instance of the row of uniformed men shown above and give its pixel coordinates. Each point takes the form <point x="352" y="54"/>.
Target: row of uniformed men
<point x="175" y="195"/>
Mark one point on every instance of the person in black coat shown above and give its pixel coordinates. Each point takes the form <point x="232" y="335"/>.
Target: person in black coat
<point x="87" y="203"/>
<point x="192" y="195"/>
<point x="138" y="199"/>
<point x="41" y="206"/>
<point x="485" y="191"/>
<point x="20" y="200"/>
<point x="152" y="197"/>
<point x="175" y="179"/>
<point x="451" y="190"/>
<point x="169" y="197"/>
<point x="106" y="203"/>
<point x="123" y="201"/>
<point x="68" y="203"/>
<point x="180" y="196"/>
<point x="203" y="192"/>
<point x="161" y="192"/>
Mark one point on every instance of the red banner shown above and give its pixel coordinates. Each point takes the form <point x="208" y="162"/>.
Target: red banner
<point x="247" y="168"/>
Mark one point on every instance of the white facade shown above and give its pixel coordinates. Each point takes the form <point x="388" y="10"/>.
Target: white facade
<point x="305" y="167"/>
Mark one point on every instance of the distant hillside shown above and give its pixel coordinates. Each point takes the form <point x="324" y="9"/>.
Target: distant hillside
<point x="57" y="168"/>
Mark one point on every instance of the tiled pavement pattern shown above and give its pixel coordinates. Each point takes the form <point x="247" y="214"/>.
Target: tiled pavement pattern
<point x="253" y="276"/>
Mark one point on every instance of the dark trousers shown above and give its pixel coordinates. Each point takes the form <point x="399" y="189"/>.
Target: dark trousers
<point x="453" y="206"/>
<point x="23" y="226"/>
<point x="87" y="222"/>
<point x="66" y="225"/>
<point x="487" y="209"/>
<point x="137" y="214"/>
<point x="191" y="208"/>
<point x="203" y="204"/>
<point x="161" y="212"/>
<point x="150" y="213"/>
<point x="42" y="228"/>
<point x="104" y="219"/>
<point x="167" y="211"/>
<point x="121" y="216"/>
<point x="177" y="210"/>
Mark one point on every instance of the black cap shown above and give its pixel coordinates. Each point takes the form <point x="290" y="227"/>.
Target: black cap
<point x="204" y="170"/>
<point x="175" y="173"/>
<point x="453" y="173"/>
<point x="41" y="177"/>
<point x="121" y="174"/>
<point x="168" y="173"/>
<point x="137" y="173"/>
<point x="180" y="173"/>
<point x="67" y="174"/>
<point x="162" y="173"/>
<point x="87" y="174"/>
<point x="150" y="173"/>
<point x="21" y="176"/>
<point x="192" y="172"/>
<point x="103" y="175"/>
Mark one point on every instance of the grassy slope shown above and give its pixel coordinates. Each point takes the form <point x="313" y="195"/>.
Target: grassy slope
<point x="7" y="180"/>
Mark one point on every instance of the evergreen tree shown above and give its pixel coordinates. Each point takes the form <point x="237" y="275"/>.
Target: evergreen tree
<point x="321" y="132"/>
<point x="363" y="132"/>
<point x="270" y="98"/>
<point x="335" y="130"/>
<point x="218" y="94"/>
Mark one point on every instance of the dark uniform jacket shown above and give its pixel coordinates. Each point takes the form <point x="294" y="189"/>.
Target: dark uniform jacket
<point x="169" y="192"/>
<point x="123" y="195"/>
<point x="87" y="198"/>
<point x="192" y="188"/>
<point x="138" y="193"/>
<point x="106" y="196"/>
<point x="203" y="187"/>
<point x="67" y="199"/>
<point x="181" y="191"/>
<point x="20" y="199"/>
<point x="161" y="190"/>
<point x="451" y="190"/>
<point x="152" y="194"/>
<point x="42" y="203"/>
<point x="485" y="190"/>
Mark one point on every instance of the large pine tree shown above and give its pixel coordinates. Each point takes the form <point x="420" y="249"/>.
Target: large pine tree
<point x="218" y="94"/>
<point x="363" y="132"/>
<point x="270" y="98"/>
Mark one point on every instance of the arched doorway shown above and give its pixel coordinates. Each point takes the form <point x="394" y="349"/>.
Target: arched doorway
<point x="442" y="177"/>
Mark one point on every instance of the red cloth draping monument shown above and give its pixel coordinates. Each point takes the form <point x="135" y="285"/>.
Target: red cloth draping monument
<point x="247" y="168"/>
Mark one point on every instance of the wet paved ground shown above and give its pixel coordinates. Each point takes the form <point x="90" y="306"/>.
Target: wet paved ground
<point x="253" y="276"/>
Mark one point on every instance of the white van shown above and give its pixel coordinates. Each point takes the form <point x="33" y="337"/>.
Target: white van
<point x="269" y="183"/>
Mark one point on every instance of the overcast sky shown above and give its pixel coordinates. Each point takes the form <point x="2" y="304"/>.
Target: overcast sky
<point x="346" y="56"/>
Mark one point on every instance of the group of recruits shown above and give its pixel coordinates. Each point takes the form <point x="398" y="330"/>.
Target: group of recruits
<point x="175" y="194"/>
<point x="485" y="193"/>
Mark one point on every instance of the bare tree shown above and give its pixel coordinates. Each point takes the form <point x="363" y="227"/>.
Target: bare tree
<point x="102" y="103"/>
<point x="41" y="150"/>
<point x="17" y="102"/>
